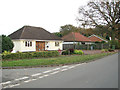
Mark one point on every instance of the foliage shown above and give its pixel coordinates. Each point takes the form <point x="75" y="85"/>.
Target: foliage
<point x="111" y="50"/>
<point x="28" y="55"/>
<point x="107" y="37"/>
<point x="101" y="30"/>
<point x="68" y="51"/>
<point x="58" y="34"/>
<point x="80" y="52"/>
<point x="97" y="42"/>
<point x="53" y="61"/>
<point x="71" y="51"/>
<point x="7" y="44"/>
<point x="101" y="13"/>
<point x="6" y="52"/>
<point x="103" y="42"/>
<point x="116" y="43"/>
<point x="104" y="50"/>
<point x="64" y="30"/>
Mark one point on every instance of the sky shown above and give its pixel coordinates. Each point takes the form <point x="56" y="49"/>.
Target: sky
<point x="48" y="14"/>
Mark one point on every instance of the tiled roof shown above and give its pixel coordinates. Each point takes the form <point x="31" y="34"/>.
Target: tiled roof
<point x="36" y="33"/>
<point x="95" y="38"/>
<point x="74" y="36"/>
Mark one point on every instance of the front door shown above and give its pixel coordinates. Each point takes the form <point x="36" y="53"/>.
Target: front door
<point x="40" y="46"/>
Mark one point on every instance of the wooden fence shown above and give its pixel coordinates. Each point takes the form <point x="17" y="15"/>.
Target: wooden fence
<point x="86" y="46"/>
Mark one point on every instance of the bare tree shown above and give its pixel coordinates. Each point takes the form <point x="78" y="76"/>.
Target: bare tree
<point x="99" y="13"/>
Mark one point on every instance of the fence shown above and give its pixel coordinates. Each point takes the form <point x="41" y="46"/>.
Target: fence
<point x="86" y="46"/>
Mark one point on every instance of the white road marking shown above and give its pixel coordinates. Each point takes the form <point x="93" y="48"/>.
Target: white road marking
<point x="14" y="85"/>
<point x="64" y="66"/>
<point x="55" y="72"/>
<point x="45" y="75"/>
<point x="47" y="71"/>
<point x="36" y="74"/>
<point x="83" y="63"/>
<point x="56" y="69"/>
<point x="41" y="76"/>
<point x="6" y="82"/>
<point x="33" y="79"/>
<point x="71" y="67"/>
<point x="77" y="65"/>
<point x="21" y="78"/>
<point x="28" y="80"/>
<point x="64" y="69"/>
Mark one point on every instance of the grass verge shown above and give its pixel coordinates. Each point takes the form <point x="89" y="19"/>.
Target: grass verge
<point x="54" y="61"/>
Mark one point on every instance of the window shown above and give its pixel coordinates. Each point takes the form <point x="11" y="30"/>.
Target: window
<point x="56" y="43"/>
<point x="83" y="42"/>
<point x="28" y="43"/>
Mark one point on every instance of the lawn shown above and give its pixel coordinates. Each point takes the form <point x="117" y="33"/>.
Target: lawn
<point x="54" y="61"/>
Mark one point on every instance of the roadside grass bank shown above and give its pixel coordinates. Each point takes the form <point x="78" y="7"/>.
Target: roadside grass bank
<point x="71" y="59"/>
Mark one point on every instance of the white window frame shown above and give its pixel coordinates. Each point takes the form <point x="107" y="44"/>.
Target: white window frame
<point x="28" y="43"/>
<point x="57" y="44"/>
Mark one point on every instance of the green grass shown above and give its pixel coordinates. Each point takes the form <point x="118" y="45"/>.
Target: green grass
<point x="53" y="61"/>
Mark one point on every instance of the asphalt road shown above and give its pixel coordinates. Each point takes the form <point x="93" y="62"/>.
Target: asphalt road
<point x="102" y="73"/>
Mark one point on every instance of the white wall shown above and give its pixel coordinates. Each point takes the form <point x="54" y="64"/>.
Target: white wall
<point x="19" y="45"/>
<point x="52" y="46"/>
<point x="30" y="48"/>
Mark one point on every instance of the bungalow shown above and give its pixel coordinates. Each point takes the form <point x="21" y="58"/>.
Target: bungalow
<point x="75" y="38"/>
<point x="30" y="39"/>
<point x="96" y="38"/>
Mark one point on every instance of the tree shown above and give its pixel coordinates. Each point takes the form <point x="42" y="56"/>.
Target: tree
<point x="7" y="44"/>
<point x="58" y="34"/>
<point x="102" y="31"/>
<point x="67" y="29"/>
<point x="99" y="13"/>
<point x="70" y="28"/>
<point x="87" y="32"/>
<point x="107" y="37"/>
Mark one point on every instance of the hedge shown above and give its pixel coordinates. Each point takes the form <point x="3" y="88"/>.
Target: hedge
<point x="29" y="55"/>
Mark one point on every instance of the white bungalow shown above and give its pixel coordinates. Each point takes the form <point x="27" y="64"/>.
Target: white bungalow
<point x="31" y="39"/>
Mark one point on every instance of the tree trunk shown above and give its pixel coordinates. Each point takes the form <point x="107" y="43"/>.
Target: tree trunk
<point x="113" y="33"/>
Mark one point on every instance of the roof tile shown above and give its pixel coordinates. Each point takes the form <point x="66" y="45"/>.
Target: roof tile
<point x="30" y="32"/>
<point x="74" y="36"/>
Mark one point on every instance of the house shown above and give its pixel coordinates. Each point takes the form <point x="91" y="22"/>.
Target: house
<point x="75" y="38"/>
<point x="30" y="39"/>
<point x="96" y="38"/>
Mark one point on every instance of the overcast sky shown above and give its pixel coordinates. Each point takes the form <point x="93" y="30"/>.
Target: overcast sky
<point x="48" y="14"/>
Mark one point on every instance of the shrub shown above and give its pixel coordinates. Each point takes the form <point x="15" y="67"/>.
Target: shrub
<point x="28" y="55"/>
<point x="116" y="43"/>
<point x="104" y="50"/>
<point x="110" y="50"/>
<point x="66" y="52"/>
<point x="7" y="44"/>
<point x="71" y="51"/>
<point x="6" y="52"/>
<point x="80" y="52"/>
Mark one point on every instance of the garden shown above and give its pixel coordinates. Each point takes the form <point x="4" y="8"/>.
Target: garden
<point x="49" y="58"/>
